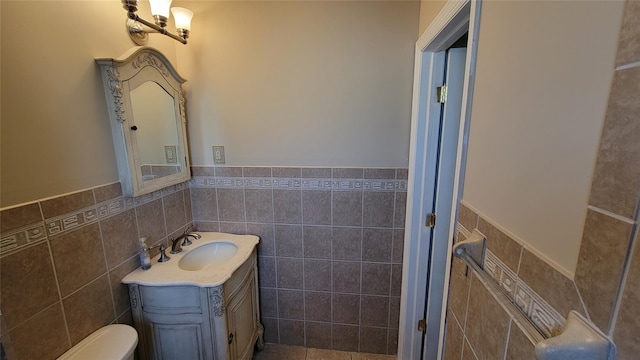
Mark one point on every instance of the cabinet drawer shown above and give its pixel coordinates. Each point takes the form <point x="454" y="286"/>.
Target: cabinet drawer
<point x="231" y="285"/>
<point x="185" y="299"/>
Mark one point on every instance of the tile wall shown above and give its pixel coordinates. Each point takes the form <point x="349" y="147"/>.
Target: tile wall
<point x="330" y="256"/>
<point x="606" y="286"/>
<point x="62" y="259"/>
<point x="477" y="326"/>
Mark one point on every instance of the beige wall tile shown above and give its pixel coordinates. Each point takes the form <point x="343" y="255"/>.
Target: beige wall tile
<point x="373" y="340"/>
<point x="44" y="336"/>
<point x="487" y="323"/>
<point x="345" y="337"/>
<point x="291" y="333"/>
<point x="79" y="257"/>
<point x="317" y="335"/>
<point x="175" y="213"/>
<point x="229" y="171"/>
<point x="151" y="222"/>
<point x="629" y="42"/>
<point x="604" y="247"/>
<point x="121" y="291"/>
<point x="503" y="246"/>
<point x="467" y="218"/>
<point x="204" y="204"/>
<point x="625" y="335"/>
<point x="120" y="237"/>
<point x="519" y="346"/>
<point x="125" y="318"/>
<point x="460" y="280"/>
<point x="392" y="345"/>
<point x="20" y="216"/>
<point x="107" y="192"/>
<point x="616" y="185"/>
<point x="27" y="284"/>
<point x="89" y="309"/>
<point x="454" y="339"/>
<point x="555" y="288"/>
<point x="467" y="352"/>
<point x="188" y="205"/>
<point x="256" y="171"/>
<point x="66" y="204"/>
<point x="202" y="171"/>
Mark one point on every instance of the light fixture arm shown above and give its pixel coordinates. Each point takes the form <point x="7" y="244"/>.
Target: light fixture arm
<point x="133" y="16"/>
<point x="140" y="35"/>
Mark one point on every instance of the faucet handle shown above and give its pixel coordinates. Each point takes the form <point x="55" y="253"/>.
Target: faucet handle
<point x="175" y="245"/>
<point x="163" y="254"/>
<point x="186" y="241"/>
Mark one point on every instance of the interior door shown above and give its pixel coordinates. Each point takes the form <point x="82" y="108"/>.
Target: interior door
<point x="440" y="201"/>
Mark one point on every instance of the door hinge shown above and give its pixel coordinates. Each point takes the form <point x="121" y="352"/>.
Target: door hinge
<point x="431" y="220"/>
<point x="441" y="94"/>
<point x="422" y="325"/>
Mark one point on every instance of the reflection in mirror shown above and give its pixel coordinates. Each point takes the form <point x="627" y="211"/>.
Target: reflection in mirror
<point x="157" y="133"/>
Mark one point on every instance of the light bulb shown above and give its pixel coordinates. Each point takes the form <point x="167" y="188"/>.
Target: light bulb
<point x="160" y="7"/>
<point x="182" y="18"/>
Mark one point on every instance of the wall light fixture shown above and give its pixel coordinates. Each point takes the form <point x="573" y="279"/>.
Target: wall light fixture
<point x="160" y="11"/>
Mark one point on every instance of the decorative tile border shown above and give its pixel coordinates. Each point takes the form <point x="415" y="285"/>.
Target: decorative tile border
<point x="37" y="232"/>
<point x="23" y="237"/>
<point x="297" y="183"/>
<point x="541" y="314"/>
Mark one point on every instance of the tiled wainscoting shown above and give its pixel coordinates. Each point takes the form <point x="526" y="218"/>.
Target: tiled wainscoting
<point x="330" y="262"/>
<point x="544" y="294"/>
<point x="606" y="285"/>
<point x="330" y="256"/>
<point x="62" y="260"/>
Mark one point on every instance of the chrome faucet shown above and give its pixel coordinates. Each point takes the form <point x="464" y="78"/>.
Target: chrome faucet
<point x="175" y="243"/>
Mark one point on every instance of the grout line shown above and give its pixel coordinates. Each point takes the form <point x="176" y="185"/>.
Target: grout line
<point x="610" y="214"/>
<point x="361" y="265"/>
<point x="623" y="280"/>
<point x="628" y="66"/>
<point x="466" y="307"/>
<point x="584" y="305"/>
<point x="506" y="343"/>
<point x="55" y="275"/>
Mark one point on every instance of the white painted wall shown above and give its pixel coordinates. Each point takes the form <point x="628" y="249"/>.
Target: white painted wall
<point x="543" y="76"/>
<point x="277" y="83"/>
<point x="55" y="133"/>
<point x="304" y="83"/>
<point x="429" y="9"/>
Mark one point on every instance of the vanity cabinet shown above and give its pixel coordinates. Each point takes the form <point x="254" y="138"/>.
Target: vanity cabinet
<point x="191" y="322"/>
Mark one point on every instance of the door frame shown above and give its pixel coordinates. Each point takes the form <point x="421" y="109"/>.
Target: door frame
<point x="455" y="18"/>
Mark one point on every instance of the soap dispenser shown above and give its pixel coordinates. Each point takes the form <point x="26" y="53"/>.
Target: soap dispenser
<point x="145" y="259"/>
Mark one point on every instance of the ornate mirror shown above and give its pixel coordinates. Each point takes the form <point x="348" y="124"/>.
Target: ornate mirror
<point x="148" y="120"/>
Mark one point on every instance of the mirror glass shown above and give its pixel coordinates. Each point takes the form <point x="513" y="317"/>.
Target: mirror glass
<point x="157" y="133"/>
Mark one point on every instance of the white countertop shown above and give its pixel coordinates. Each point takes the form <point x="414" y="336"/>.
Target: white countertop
<point x="169" y="273"/>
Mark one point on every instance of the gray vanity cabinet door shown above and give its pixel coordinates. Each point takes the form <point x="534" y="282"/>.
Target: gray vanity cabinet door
<point x="176" y="323"/>
<point x="185" y="337"/>
<point x="241" y="321"/>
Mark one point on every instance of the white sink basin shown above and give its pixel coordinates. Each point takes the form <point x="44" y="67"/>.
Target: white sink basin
<point x="201" y="257"/>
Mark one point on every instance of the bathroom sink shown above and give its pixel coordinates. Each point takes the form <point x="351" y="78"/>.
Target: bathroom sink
<point x="201" y="257"/>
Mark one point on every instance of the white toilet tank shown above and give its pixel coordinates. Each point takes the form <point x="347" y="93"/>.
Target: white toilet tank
<point x="112" y="342"/>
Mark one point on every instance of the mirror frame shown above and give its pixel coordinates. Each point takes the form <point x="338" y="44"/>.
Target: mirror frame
<point x="142" y="64"/>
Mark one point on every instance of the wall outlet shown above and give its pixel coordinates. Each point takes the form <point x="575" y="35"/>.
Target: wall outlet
<point x="218" y="154"/>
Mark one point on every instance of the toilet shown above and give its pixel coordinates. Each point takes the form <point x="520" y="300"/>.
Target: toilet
<point x="112" y="342"/>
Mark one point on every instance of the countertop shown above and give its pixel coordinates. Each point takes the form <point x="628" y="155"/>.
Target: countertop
<point x="169" y="273"/>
